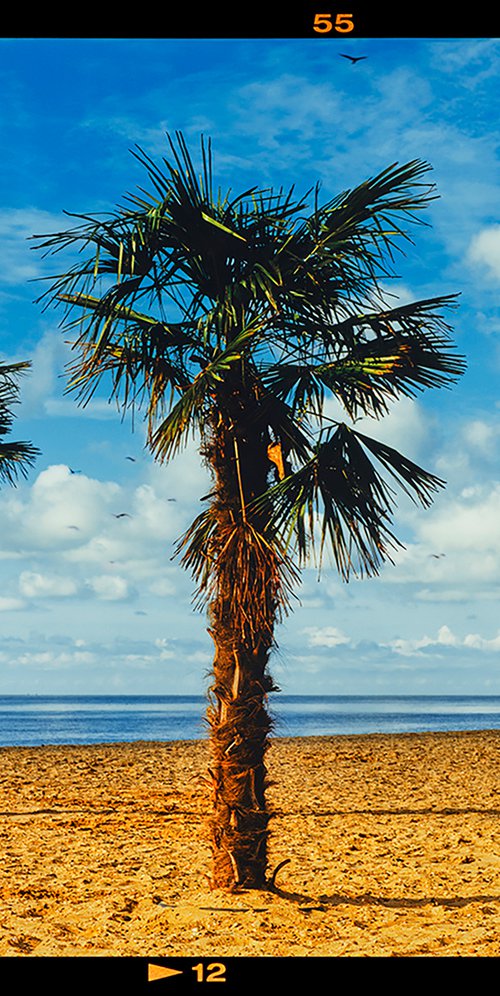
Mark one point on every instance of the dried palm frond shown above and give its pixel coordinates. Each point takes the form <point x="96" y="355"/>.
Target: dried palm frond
<point x="237" y="563"/>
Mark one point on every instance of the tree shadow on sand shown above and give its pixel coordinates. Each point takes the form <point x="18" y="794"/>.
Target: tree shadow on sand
<point x="322" y="902"/>
<point x="427" y="811"/>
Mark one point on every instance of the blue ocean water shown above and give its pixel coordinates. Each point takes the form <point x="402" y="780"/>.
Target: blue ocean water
<point x="35" y="720"/>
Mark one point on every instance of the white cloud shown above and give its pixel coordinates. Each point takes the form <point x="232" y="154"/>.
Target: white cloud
<point x="47" y="363"/>
<point x="53" y="659"/>
<point x="163" y="587"/>
<point x="64" y="537"/>
<point x="110" y="588"/>
<point x="326" y="636"/>
<point x="35" y="585"/>
<point x="414" y="647"/>
<point x="480" y="643"/>
<point x="484" y="251"/>
<point x="464" y="525"/>
<point x="481" y="435"/>
<point x="164" y="649"/>
<point x="11" y="604"/>
<point x="58" y="507"/>
<point x="407" y="428"/>
<point x="181" y="483"/>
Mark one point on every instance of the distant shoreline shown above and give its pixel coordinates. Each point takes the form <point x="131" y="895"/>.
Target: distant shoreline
<point x="322" y="739"/>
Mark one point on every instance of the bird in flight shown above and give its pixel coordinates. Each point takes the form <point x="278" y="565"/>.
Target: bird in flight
<point x="353" y="58"/>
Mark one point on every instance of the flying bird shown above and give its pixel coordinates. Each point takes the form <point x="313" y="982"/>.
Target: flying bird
<point x="121" y="515"/>
<point x="353" y="58"/>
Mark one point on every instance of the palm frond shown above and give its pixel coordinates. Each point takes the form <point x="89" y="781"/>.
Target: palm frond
<point x="370" y="360"/>
<point x="191" y="410"/>
<point x="16" y="458"/>
<point x="369" y="211"/>
<point x="339" y="494"/>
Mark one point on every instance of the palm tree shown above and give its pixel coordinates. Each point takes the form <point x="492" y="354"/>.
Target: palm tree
<point x="15" y="457"/>
<point x="239" y="319"/>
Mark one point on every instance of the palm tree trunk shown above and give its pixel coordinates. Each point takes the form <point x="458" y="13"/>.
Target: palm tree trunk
<point x="242" y="617"/>
<point x="239" y="729"/>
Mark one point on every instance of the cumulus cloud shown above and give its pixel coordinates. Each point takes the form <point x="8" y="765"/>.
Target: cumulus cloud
<point x="45" y="662"/>
<point x="466" y="524"/>
<point x="163" y="587"/>
<point x="484" y="251"/>
<point x="164" y="648"/>
<point x="36" y="585"/>
<point x="416" y="647"/>
<point x="326" y="636"/>
<point x="68" y="536"/>
<point x="481" y="643"/>
<point x="481" y="435"/>
<point x="58" y="505"/>
<point x="110" y="588"/>
<point x="47" y="363"/>
<point x="407" y="427"/>
<point x="413" y="647"/>
<point x="64" y="511"/>
<point x="11" y="604"/>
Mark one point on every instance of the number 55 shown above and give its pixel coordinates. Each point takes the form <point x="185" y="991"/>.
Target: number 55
<point x="323" y="23"/>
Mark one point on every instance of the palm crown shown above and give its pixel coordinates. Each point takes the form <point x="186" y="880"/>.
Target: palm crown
<point x="187" y="297"/>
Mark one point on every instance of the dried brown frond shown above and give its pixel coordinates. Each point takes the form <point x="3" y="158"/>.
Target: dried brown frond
<point x="235" y="562"/>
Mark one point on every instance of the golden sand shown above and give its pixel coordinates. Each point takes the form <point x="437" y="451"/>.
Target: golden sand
<point x="392" y="842"/>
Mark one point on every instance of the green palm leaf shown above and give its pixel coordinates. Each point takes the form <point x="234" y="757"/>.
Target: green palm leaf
<point x="16" y="458"/>
<point x="340" y="493"/>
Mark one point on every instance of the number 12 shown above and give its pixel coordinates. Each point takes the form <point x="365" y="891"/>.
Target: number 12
<point x="215" y="972"/>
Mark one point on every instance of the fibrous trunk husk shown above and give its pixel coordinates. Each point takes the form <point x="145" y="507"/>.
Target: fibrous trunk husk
<point x="242" y="614"/>
<point x="239" y="730"/>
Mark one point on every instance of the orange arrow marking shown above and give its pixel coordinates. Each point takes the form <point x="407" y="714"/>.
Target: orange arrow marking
<point x="158" y="972"/>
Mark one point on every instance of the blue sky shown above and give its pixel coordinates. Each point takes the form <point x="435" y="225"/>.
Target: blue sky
<point x="91" y="603"/>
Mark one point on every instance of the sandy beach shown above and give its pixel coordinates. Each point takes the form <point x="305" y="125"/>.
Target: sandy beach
<point x="392" y="843"/>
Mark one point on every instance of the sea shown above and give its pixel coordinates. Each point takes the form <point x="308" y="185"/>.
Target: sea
<point x="36" y="720"/>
